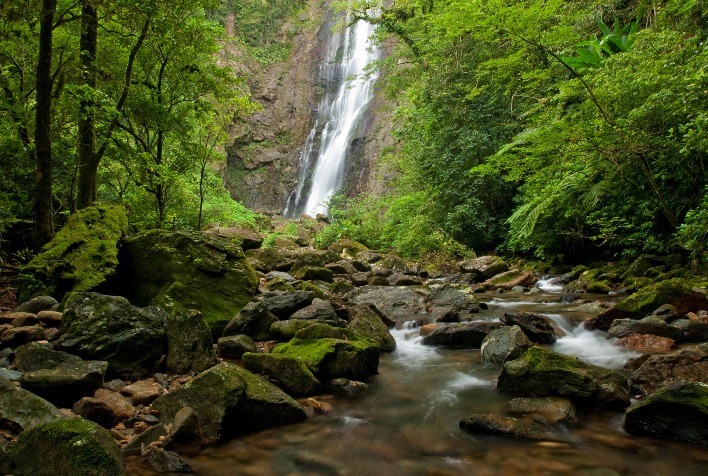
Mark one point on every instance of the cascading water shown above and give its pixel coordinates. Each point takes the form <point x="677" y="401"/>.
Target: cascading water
<point x="341" y="108"/>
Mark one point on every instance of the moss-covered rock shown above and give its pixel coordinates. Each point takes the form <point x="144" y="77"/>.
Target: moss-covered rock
<point x="313" y="288"/>
<point x="230" y="400"/>
<point x="278" y="284"/>
<point x="71" y="446"/>
<point x="347" y="246"/>
<point x="677" y="411"/>
<point x="541" y="373"/>
<point x="593" y="282"/>
<point x="178" y="271"/>
<point x="65" y="383"/>
<point x="673" y="291"/>
<point x="99" y="327"/>
<point x="331" y="352"/>
<point x="365" y="322"/>
<point x="254" y="320"/>
<point x="80" y="257"/>
<point x="289" y="373"/>
<point x="286" y="330"/>
<point x="312" y="273"/>
<point x="505" y="343"/>
<point x="21" y="410"/>
<point x="267" y="259"/>
<point x="233" y="347"/>
<point x="189" y="344"/>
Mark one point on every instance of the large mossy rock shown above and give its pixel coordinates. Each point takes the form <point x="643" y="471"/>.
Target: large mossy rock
<point x="648" y="299"/>
<point x="543" y="373"/>
<point x="289" y="373"/>
<point x="131" y="339"/>
<point x="178" y="271"/>
<point x="677" y="411"/>
<point x="189" y="344"/>
<point x="80" y="257"/>
<point x="365" y="322"/>
<point x="331" y="352"/>
<point x="230" y="400"/>
<point x="71" y="446"/>
<point x="21" y="410"/>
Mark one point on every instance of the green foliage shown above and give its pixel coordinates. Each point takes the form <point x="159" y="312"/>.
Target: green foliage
<point x="592" y="52"/>
<point x="693" y="234"/>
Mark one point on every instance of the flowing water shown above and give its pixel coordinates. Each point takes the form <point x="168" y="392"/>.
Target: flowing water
<point x="407" y="422"/>
<point x="348" y="90"/>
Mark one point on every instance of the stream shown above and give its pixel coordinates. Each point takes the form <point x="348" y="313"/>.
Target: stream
<point x="407" y="422"/>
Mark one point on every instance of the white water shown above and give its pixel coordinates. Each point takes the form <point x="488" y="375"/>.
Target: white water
<point x="340" y="110"/>
<point x="549" y="284"/>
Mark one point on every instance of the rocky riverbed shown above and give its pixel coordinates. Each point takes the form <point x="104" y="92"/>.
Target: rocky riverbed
<point x="175" y="350"/>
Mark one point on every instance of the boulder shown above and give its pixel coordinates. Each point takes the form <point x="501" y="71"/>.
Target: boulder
<point x="50" y="318"/>
<point x="647" y="343"/>
<point x="511" y="279"/>
<point x="341" y="287"/>
<point x="66" y="382"/>
<point x="21" y="410"/>
<point x="367" y="323"/>
<point x="267" y="259"/>
<point x="254" y="320"/>
<point x="689" y="364"/>
<point x="283" y="305"/>
<point x="484" y="267"/>
<point x="446" y="296"/>
<point x="465" y="335"/>
<point x="36" y="356"/>
<point x="319" y="309"/>
<point x="38" y="304"/>
<point x="543" y="373"/>
<point x="286" y="330"/>
<point x="331" y="352"/>
<point x="142" y="392"/>
<point x="82" y="256"/>
<point x="508" y="427"/>
<point x="21" y="335"/>
<point x="346" y="388"/>
<point x="547" y="411"/>
<point x="341" y="267"/>
<point x="348" y="247"/>
<point x="178" y="271"/>
<point x="391" y="301"/>
<point x="189" y="343"/>
<point x="246" y="239"/>
<point x="666" y="312"/>
<point x="229" y="401"/>
<point x="649" y="298"/>
<point x="449" y="316"/>
<point x="69" y="446"/>
<point x="130" y="338"/>
<point x="233" y="347"/>
<point x="678" y="411"/>
<point x="278" y="284"/>
<point x="105" y="408"/>
<point x="505" y="343"/>
<point x="692" y="330"/>
<point x="289" y="373"/>
<point x="536" y="328"/>
<point x="649" y="325"/>
<point x="279" y="275"/>
<point x="398" y="279"/>
<point x="313" y="273"/>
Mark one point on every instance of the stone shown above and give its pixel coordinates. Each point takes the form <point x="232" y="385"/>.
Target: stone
<point x="649" y="325"/>
<point x="671" y="291"/>
<point x="233" y="347"/>
<point x="185" y="430"/>
<point x="331" y="352"/>
<point x="391" y="301"/>
<point x="360" y="279"/>
<point x="666" y="312"/>
<point x="65" y="383"/>
<point x="278" y="285"/>
<point x="547" y="411"/>
<point x="341" y="267"/>
<point x="22" y="410"/>
<point x="162" y="461"/>
<point x="428" y="329"/>
<point x="536" y="328"/>
<point x="21" y="335"/>
<point x="398" y="279"/>
<point x="345" y="246"/>
<point x="82" y="256"/>
<point x="367" y="323"/>
<point x="289" y="373"/>
<point x="449" y="316"/>
<point x="38" y="304"/>
<point x="51" y="334"/>
<point x="312" y="273"/>
<point x="508" y="427"/>
<point x="688" y="364"/>
<point x="246" y="239"/>
<point x="319" y="309"/>
<point x="267" y="259"/>
<point x="72" y="446"/>
<point x="189" y="343"/>
<point x="283" y="305"/>
<point x="505" y="343"/>
<point x="105" y="408"/>
<point x="286" y="330"/>
<point x="341" y="287"/>
<point x="543" y="373"/>
<point x="131" y="339"/>
<point x="254" y="320"/>
<point x="230" y="400"/>
<point x="464" y="335"/>
<point x="22" y="319"/>
<point x="36" y="356"/>
<point x="692" y="330"/>
<point x="179" y="270"/>
<point x="447" y="296"/>
<point x="142" y="392"/>
<point x="484" y="267"/>
<point x="678" y="411"/>
<point x="647" y="343"/>
<point x="512" y="279"/>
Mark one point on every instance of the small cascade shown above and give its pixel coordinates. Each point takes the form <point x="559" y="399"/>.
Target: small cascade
<point x="341" y="108"/>
<point x="549" y="284"/>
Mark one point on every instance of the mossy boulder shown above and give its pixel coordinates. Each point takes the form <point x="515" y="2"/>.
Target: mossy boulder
<point x="267" y="259"/>
<point x="67" y="382"/>
<point x="71" y="446"/>
<point x="593" y="281"/>
<point x="289" y="373"/>
<point x="286" y="330"/>
<point x="347" y="246"/>
<point x="254" y="320"/>
<point x="678" y="411"/>
<point x="365" y="322"/>
<point x="542" y="373"/>
<point x="673" y="291"/>
<point x="189" y="343"/>
<point x="178" y="271"/>
<point x="313" y="273"/>
<point x="80" y="257"/>
<point x="331" y="352"/>
<point x="230" y="400"/>
<point x="99" y="327"/>
<point x="21" y="410"/>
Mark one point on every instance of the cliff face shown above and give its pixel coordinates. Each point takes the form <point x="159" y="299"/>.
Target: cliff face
<point x="263" y="156"/>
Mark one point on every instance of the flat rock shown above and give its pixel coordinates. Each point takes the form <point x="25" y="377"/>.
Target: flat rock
<point x="66" y="382"/>
<point x="391" y="300"/>
<point x="142" y="392"/>
<point x="649" y="325"/>
<point x="467" y="335"/>
<point x="21" y="335"/>
<point x="21" y="410"/>
<point x="688" y="364"/>
<point x="105" y="408"/>
<point x="508" y="427"/>
<point x="647" y="343"/>
<point x="548" y="410"/>
<point x="319" y="309"/>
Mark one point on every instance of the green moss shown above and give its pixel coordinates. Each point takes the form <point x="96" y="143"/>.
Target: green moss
<point x="506" y="277"/>
<point x="312" y="273"/>
<point x="313" y="288"/>
<point x="81" y="257"/>
<point x="649" y="298"/>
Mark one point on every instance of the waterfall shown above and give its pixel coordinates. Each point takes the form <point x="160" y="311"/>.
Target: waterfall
<point x="344" y="103"/>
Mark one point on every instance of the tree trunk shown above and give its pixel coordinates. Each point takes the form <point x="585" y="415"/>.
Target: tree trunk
<point x="88" y="159"/>
<point x="42" y="134"/>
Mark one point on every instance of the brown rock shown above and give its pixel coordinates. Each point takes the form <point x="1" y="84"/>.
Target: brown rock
<point x="21" y="335"/>
<point x="428" y="329"/>
<point x="142" y="392"/>
<point x="689" y="364"/>
<point x="140" y="426"/>
<point x="51" y="318"/>
<point x="51" y="334"/>
<point x="13" y="316"/>
<point x="647" y="343"/>
<point x="105" y="408"/>
<point x="26" y="319"/>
